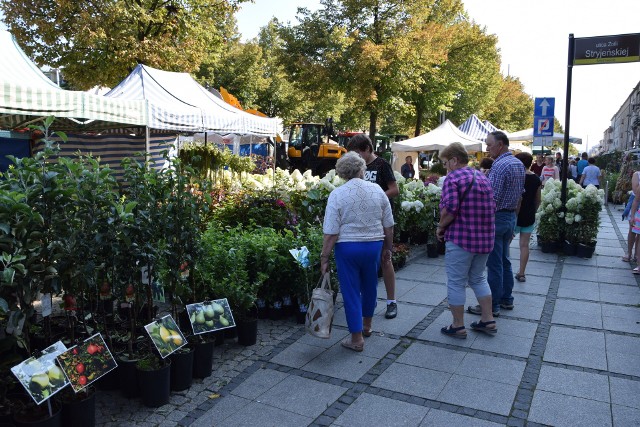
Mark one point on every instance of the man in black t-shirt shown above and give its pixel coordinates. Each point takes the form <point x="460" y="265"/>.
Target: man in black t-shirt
<point x="380" y="172"/>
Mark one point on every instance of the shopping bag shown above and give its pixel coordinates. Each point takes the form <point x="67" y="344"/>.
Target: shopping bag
<point x="320" y="311"/>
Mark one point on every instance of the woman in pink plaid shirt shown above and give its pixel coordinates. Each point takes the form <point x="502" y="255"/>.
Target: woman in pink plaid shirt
<point x="467" y="224"/>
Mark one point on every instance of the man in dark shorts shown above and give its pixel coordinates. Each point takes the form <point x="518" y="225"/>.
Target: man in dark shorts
<point x="380" y="172"/>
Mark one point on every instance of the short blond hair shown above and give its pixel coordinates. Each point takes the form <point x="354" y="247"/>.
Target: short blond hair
<point x="457" y="150"/>
<point x="350" y="165"/>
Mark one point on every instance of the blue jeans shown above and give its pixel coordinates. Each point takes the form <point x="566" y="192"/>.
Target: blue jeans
<point x="465" y="268"/>
<point x="357" y="264"/>
<point x="499" y="273"/>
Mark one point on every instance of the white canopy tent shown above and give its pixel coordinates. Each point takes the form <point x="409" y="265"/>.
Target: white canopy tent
<point x="178" y="102"/>
<point x="527" y="135"/>
<point x="27" y="95"/>
<point x="435" y="140"/>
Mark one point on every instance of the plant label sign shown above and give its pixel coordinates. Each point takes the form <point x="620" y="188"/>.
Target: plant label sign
<point x="166" y="335"/>
<point x="84" y="364"/>
<point x="210" y="316"/>
<point x="41" y="377"/>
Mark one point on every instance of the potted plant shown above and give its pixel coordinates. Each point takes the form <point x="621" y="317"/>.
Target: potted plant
<point x="549" y="217"/>
<point x="154" y="380"/>
<point x="587" y="221"/>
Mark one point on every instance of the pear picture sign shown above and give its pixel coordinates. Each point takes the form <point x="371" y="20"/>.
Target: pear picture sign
<point x="209" y="316"/>
<point x="40" y="376"/>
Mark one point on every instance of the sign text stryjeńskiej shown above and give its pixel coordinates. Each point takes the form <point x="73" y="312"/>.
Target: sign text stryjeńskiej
<point x="607" y="49"/>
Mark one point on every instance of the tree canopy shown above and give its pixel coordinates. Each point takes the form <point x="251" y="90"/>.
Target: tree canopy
<point x="99" y="42"/>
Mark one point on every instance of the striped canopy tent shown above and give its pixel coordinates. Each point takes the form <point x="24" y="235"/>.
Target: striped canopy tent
<point x="27" y="96"/>
<point x="178" y="102"/>
<point x="527" y="135"/>
<point x="490" y="127"/>
<point x="474" y="127"/>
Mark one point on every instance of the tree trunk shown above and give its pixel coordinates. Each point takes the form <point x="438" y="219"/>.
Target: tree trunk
<point x="373" y="119"/>
<point x="419" y="112"/>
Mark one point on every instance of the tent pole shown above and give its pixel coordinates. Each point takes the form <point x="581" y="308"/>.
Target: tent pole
<point x="147" y="146"/>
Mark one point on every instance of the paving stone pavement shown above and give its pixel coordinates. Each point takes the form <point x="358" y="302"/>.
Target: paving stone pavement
<point x="568" y="354"/>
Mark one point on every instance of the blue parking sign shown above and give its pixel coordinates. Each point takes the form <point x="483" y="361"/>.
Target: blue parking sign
<point x="543" y="117"/>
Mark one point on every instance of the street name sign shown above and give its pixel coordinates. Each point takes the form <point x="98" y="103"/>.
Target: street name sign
<point x="607" y="49"/>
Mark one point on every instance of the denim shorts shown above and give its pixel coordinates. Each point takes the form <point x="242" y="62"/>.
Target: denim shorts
<point x="528" y="229"/>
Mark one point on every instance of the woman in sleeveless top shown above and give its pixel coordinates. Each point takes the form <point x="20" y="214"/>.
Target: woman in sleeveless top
<point x="550" y="170"/>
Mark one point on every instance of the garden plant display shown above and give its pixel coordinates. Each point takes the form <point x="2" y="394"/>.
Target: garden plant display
<point x="210" y="316"/>
<point x="41" y="377"/>
<point x="166" y="335"/>
<point x="87" y="362"/>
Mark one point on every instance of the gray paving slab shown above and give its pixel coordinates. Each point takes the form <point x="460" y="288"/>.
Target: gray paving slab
<point x="576" y="347"/>
<point x="412" y="380"/>
<point x="297" y="355"/>
<point x="619" y="294"/>
<point x="438" y="418"/>
<point x="403" y="285"/>
<point x="577" y="313"/>
<point x="371" y="410"/>
<point x="619" y="318"/>
<point x="526" y="306"/>
<point x="419" y="273"/>
<point x="535" y="284"/>
<point x="603" y="250"/>
<point x="409" y="315"/>
<point x="502" y="343"/>
<point x="426" y="293"/>
<point x="259" y="414"/>
<point x="538" y="268"/>
<point x="432" y="357"/>
<point x="625" y="392"/>
<point x="303" y="396"/>
<point x="568" y="382"/>
<point x="608" y="275"/>
<point x="432" y="332"/>
<point x="339" y="362"/>
<point x="336" y="336"/>
<point x="579" y="289"/>
<point x="561" y="410"/>
<point x="480" y="394"/>
<point x="623" y="354"/>
<point x="580" y="272"/>
<point x="378" y="345"/>
<point x="259" y="382"/>
<point x="624" y="416"/>
<point x="225" y="408"/>
<point x="491" y="368"/>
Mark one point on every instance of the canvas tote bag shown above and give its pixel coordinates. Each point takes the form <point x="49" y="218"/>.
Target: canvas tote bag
<point x="320" y="311"/>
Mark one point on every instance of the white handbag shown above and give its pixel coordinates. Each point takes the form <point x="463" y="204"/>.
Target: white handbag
<point x="320" y="311"/>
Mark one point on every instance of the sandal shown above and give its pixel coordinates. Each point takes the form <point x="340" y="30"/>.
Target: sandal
<point x="367" y="332"/>
<point x="636" y="270"/>
<point x="481" y="326"/>
<point x="346" y="343"/>
<point x="453" y="332"/>
<point x="628" y="259"/>
<point x="521" y="277"/>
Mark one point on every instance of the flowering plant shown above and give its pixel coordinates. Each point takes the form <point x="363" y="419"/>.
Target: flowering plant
<point x="579" y="222"/>
<point x="416" y="209"/>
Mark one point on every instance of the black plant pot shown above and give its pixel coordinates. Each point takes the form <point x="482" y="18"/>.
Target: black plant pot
<point x="442" y="247"/>
<point x="569" y="248"/>
<point x="301" y="314"/>
<point x="432" y="250"/>
<point x="128" y="378"/>
<point x="38" y="416"/>
<point x="585" y="251"/>
<point x="110" y="381"/>
<point x="181" y="370"/>
<point x="247" y="331"/>
<point x="230" y="333"/>
<point x="80" y="413"/>
<point x="203" y="359"/>
<point x="183" y="320"/>
<point x="263" y="308"/>
<point x="549" y="247"/>
<point x="404" y="237"/>
<point x="155" y="385"/>
<point x="287" y="307"/>
<point x="419" y="238"/>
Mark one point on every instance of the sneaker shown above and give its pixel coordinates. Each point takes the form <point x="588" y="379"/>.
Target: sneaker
<point x="392" y="310"/>
<point x="506" y="306"/>
<point x="475" y="309"/>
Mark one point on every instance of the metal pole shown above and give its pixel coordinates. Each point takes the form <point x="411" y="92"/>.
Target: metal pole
<point x="147" y="146"/>
<point x="567" y="117"/>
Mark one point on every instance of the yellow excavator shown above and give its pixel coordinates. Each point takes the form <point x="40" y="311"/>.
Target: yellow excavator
<point x="311" y="148"/>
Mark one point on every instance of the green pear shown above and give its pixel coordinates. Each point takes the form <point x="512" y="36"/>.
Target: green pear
<point x="217" y="308"/>
<point x="55" y="375"/>
<point x="209" y="323"/>
<point x="209" y="311"/>
<point x="200" y="318"/>
<point x="223" y="321"/>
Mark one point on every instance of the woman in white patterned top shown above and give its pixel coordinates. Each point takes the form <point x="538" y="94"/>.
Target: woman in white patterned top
<point x="359" y="223"/>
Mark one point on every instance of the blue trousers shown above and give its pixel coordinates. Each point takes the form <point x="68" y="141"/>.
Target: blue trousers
<point x="499" y="272"/>
<point x="358" y="264"/>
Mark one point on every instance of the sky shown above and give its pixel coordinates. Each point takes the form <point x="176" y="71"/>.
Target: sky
<point x="533" y="38"/>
